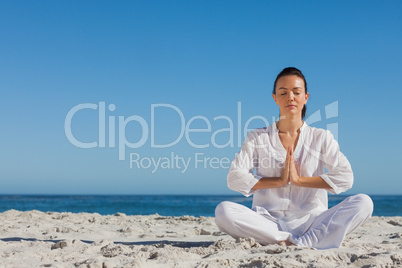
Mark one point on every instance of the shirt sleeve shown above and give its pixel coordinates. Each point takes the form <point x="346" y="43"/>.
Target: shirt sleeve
<point x="340" y="174"/>
<point x="241" y="177"/>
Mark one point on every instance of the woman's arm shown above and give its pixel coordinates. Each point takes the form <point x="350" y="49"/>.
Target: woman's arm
<point x="310" y="182"/>
<point x="274" y="182"/>
<point x="269" y="182"/>
<point x="340" y="174"/>
<point x="339" y="177"/>
<point x="241" y="177"/>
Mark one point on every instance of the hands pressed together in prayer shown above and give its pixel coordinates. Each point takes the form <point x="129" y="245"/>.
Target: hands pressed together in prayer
<point x="289" y="171"/>
<point x="289" y="174"/>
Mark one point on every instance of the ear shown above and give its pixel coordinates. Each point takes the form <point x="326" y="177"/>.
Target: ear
<point x="274" y="96"/>
<point x="307" y="96"/>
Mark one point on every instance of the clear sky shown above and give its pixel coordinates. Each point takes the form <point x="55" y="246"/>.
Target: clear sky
<point x="143" y="70"/>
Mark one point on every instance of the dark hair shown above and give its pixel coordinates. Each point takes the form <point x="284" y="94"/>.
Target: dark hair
<point x="292" y="71"/>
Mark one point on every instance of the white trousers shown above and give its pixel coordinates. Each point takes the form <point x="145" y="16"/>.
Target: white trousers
<point x="327" y="230"/>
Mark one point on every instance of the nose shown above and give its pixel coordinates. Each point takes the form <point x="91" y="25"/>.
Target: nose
<point x="291" y="96"/>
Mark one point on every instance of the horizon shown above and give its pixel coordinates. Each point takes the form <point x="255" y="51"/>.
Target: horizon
<point x="188" y="195"/>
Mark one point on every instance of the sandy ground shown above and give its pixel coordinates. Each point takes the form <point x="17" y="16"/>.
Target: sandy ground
<point x="38" y="239"/>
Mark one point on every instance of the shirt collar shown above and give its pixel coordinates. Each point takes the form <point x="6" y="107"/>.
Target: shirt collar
<point x="301" y="128"/>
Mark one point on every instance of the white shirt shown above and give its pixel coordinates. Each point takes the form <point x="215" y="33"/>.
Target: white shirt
<point x="292" y="207"/>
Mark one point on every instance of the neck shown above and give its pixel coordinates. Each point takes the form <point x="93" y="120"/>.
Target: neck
<point x="289" y="124"/>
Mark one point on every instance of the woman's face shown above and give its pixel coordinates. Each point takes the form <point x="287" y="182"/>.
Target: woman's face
<point x="290" y="95"/>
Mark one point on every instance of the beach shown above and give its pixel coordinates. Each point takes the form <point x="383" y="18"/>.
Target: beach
<point x="53" y="239"/>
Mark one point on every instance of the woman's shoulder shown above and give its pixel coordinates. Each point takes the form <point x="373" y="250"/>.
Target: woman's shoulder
<point x="316" y="132"/>
<point x="259" y="135"/>
<point x="261" y="131"/>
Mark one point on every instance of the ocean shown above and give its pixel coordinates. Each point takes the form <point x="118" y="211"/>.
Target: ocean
<point x="164" y="205"/>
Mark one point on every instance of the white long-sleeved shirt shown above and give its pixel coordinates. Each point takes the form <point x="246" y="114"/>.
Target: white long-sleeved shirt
<point x="293" y="207"/>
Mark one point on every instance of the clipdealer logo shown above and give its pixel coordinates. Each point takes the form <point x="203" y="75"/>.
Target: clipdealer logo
<point x="107" y="124"/>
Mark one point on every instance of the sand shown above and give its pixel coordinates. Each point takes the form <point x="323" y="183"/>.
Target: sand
<point x="39" y="239"/>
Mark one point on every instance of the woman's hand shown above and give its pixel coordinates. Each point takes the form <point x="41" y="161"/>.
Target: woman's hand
<point x="289" y="174"/>
<point x="293" y="176"/>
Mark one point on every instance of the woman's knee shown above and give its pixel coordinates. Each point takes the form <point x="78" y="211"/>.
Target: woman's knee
<point x="222" y="208"/>
<point x="365" y="204"/>
<point x="222" y="214"/>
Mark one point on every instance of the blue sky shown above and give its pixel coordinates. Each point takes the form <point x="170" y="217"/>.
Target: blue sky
<point x="207" y="59"/>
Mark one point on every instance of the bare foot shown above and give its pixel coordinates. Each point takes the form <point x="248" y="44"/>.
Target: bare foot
<point x="286" y="243"/>
<point x="282" y="244"/>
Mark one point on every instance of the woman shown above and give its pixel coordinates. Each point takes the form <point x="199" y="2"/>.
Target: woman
<point x="290" y="203"/>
